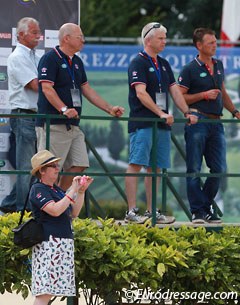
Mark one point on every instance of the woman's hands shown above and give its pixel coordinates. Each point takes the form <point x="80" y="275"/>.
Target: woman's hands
<point x="81" y="183"/>
<point x="77" y="191"/>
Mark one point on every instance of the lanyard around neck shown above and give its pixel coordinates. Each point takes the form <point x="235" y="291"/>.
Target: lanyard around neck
<point x="156" y="70"/>
<point x="70" y="71"/>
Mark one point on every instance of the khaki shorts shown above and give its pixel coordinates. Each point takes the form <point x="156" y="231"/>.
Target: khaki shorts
<point x="69" y="145"/>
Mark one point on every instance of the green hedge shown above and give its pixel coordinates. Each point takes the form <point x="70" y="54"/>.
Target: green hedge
<point x="110" y="258"/>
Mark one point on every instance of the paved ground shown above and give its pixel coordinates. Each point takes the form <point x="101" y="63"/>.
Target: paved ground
<point x="14" y="299"/>
<point x="178" y="224"/>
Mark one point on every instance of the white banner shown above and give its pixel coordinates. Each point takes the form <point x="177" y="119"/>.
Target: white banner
<point x="230" y="29"/>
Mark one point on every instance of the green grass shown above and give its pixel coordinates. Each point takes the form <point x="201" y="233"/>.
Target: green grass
<point x="111" y="86"/>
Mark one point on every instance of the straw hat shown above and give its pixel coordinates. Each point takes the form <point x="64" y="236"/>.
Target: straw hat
<point x="41" y="159"/>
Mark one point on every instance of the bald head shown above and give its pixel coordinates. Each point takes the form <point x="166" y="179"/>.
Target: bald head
<point x="71" y="39"/>
<point x="67" y="29"/>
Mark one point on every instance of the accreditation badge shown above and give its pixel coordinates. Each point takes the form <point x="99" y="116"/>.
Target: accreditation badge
<point x="161" y="100"/>
<point x="75" y="93"/>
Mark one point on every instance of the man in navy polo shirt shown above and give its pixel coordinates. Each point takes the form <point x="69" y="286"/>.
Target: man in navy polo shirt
<point x="150" y="80"/>
<point x="202" y="84"/>
<point x="63" y="81"/>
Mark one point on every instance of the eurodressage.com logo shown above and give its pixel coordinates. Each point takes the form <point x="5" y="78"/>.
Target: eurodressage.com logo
<point x="27" y="2"/>
<point x="167" y="295"/>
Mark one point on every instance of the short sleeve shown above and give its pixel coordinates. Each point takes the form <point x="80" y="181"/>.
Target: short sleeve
<point x="184" y="77"/>
<point x="47" y="69"/>
<point x="40" y="196"/>
<point x="21" y="69"/>
<point x="136" y="73"/>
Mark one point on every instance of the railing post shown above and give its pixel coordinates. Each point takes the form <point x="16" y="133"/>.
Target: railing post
<point x="47" y="132"/>
<point x="154" y="174"/>
<point x="164" y="190"/>
<point x="72" y="301"/>
<point x="87" y="204"/>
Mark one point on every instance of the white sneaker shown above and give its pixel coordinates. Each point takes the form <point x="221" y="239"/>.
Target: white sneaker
<point x="160" y="218"/>
<point x="132" y="216"/>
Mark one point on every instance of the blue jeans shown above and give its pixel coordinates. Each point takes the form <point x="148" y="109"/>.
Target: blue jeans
<point x="24" y="130"/>
<point x="204" y="140"/>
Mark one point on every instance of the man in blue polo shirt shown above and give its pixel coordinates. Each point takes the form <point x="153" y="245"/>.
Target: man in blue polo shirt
<point x="202" y="84"/>
<point x="150" y="80"/>
<point x="63" y="81"/>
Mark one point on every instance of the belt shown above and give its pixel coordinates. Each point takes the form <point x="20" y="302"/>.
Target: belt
<point x="29" y="111"/>
<point x="208" y="115"/>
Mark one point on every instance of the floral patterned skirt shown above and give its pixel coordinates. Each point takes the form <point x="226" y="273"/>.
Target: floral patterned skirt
<point x="53" y="267"/>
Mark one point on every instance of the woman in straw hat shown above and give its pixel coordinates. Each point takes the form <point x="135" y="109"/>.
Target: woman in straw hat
<point x="53" y="259"/>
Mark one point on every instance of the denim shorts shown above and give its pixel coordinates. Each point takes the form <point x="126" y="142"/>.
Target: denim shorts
<point x="141" y="148"/>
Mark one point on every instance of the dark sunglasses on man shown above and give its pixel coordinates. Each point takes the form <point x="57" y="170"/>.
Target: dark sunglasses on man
<point x="155" y="26"/>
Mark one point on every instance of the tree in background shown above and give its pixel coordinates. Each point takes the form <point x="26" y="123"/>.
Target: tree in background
<point x="182" y="17"/>
<point x="102" y="134"/>
<point x="97" y="136"/>
<point x="116" y="140"/>
<point x="125" y="18"/>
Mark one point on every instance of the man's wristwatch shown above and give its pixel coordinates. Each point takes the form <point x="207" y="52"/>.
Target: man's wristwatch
<point x="63" y="109"/>
<point x="235" y="112"/>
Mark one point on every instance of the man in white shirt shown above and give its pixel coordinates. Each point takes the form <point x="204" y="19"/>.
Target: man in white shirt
<point x="23" y="94"/>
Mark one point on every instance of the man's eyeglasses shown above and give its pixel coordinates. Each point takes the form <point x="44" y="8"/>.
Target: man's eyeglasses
<point x="78" y="37"/>
<point x="53" y="165"/>
<point x="155" y="26"/>
<point x="35" y="33"/>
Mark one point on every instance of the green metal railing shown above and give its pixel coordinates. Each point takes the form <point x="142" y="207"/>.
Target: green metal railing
<point x="165" y="175"/>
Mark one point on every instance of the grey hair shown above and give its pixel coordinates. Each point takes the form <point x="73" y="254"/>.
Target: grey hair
<point x="23" y="24"/>
<point x="66" y="29"/>
<point x="148" y="27"/>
